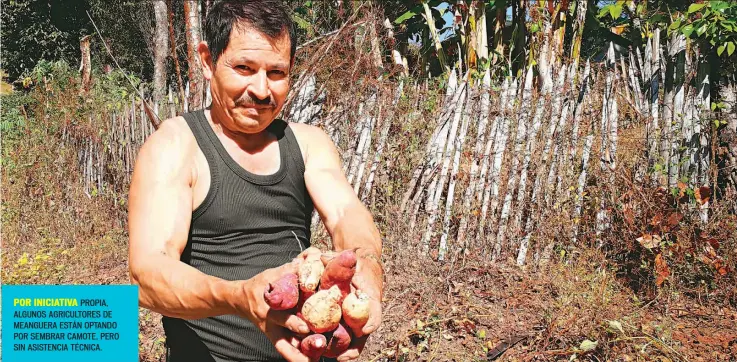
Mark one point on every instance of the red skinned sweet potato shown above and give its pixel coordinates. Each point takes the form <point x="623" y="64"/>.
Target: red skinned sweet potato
<point x="339" y="342"/>
<point x="339" y="271"/>
<point x="303" y="296"/>
<point x="283" y="294"/>
<point x="313" y="346"/>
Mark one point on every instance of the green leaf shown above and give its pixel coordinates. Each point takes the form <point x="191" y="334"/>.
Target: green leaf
<point x="406" y="16"/>
<point x="616" y="11"/>
<point x="604" y="10"/>
<point x="719" y="5"/>
<point x="721" y="48"/>
<point x="695" y="7"/>
<point x="687" y="30"/>
<point x="674" y="25"/>
<point x="730" y="48"/>
<point x="701" y="30"/>
<point x="640" y="8"/>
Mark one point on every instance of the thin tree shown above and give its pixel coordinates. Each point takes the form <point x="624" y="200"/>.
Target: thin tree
<point x="161" y="46"/>
<point x="194" y="35"/>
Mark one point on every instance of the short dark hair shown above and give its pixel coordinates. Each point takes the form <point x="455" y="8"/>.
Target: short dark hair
<point x="269" y="17"/>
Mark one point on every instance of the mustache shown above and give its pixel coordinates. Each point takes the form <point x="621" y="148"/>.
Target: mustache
<point x="248" y="101"/>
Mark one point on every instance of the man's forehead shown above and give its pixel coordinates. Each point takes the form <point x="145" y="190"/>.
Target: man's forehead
<point x="246" y="36"/>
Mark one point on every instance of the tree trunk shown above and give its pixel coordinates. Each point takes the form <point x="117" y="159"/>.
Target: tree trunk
<point x="192" y="26"/>
<point x="667" y="134"/>
<point x="653" y="54"/>
<point x="501" y="19"/>
<point x="520" y="42"/>
<point x="559" y="32"/>
<point x="482" y="47"/>
<point x="86" y="66"/>
<point x="434" y="34"/>
<point x="728" y="136"/>
<point x="161" y="46"/>
<point x="174" y="56"/>
<point x="544" y="65"/>
<point x="676" y="133"/>
<point x="635" y="85"/>
<point x="578" y="26"/>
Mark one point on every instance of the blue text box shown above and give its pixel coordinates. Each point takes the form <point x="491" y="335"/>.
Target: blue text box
<point x="74" y="323"/>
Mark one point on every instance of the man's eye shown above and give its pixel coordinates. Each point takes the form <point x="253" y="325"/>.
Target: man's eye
<point x="242" y="67"/>
<point x="278" y="72"/>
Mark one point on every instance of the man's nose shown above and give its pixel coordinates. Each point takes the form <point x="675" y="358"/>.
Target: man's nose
<point x="259" y="88"/>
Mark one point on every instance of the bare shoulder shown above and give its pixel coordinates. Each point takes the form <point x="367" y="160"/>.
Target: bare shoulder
<point x="169" y="149"/>
<point x="312" y="140"/>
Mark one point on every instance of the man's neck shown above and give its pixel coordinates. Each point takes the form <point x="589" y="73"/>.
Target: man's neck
<point x="249" y="142"/>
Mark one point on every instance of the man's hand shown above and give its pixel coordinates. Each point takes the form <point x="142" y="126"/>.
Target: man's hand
<point x="283" y="328"/>
<point x="369" y="279"/>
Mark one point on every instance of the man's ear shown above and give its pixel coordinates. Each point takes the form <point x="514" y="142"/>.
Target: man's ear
<point x="206" y="60"/>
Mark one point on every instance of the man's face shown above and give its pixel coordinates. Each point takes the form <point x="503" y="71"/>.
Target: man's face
<point x="250" y="83"/>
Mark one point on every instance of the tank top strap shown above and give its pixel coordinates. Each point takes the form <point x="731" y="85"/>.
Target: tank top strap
<point x="197" y="123"/>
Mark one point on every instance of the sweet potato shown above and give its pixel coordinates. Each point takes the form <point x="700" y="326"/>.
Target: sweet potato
<point x="313" y="346"/>
<point x="356" y="309"/>
<point x="303" y="296"/>
<point x="310" y="272"/>
<point x="322" y="311"/>
<point x="283" y="294"/>
<point x="339" y="342"/>
<point x="339" y="272"/>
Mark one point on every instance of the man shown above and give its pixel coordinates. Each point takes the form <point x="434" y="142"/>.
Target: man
<point x="221" y="201"/>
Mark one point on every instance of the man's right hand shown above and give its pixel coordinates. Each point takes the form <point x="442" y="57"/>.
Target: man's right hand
<point x="283" y="328"/>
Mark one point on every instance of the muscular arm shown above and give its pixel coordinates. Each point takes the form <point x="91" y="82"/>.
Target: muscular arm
<point x="346" y="219"/>
<point x="160" y="208"/>
<point x="348" y="222"/>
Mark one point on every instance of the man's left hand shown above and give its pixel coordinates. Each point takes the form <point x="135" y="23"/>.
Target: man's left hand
<point x="369" y="279"/>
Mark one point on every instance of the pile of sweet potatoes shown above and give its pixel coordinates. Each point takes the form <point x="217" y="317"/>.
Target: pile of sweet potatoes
<point x="322" y="296"/>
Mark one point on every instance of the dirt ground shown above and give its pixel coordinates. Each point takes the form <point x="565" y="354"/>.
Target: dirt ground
<point x="484" y="312"/>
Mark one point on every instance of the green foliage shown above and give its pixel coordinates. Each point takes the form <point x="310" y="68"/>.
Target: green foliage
<point x="613" y="10"/>
<point x="12" y="118"/>
<point x="712" y="22"/>
<point x="36" y="29"/>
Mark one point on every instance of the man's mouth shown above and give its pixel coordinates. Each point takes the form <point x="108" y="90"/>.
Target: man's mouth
<point x="257" y="108"/>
